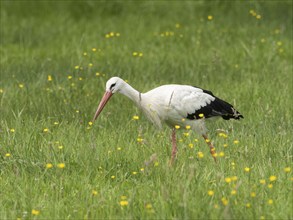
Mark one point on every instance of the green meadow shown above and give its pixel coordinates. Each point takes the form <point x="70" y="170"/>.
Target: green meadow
<point x="56" y="57"/>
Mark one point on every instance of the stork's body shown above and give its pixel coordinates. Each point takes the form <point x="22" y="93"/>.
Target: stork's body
<point x="175" y="105"/>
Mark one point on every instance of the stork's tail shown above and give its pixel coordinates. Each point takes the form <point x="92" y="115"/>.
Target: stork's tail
<point x="236" y="115"/>
<point x="228" y="111"/>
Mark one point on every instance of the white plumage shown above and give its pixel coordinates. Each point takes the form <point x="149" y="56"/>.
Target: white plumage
<point x="174" y="105"/>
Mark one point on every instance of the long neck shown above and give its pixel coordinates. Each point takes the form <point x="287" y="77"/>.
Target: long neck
<point x="131" y="93"/>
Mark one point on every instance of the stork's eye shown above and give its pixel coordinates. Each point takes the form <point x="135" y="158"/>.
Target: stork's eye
<point x="111" y="87"/>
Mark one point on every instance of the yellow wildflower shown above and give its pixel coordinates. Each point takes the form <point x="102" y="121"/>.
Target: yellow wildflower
<point x="287" y="169"/>
<point x="90" y="123"/>
<point x="234" y="178"/>
<point x="140" y="54"/>
<point x="262" y="181"/>
<point x="211" y="192"/>
<point x="69" y="77"/>
<point x="177" y="126"/>
<point x="134" y="54"/>
<point x="94" y="192"/>
<point x="134" y="172"/>
<point x="270" y="201"/>
<point x="225" y="145"/>
<point x="221" y="154"/>
<point x="35" y="212"/>
<point x="270" y="186"/>
<point x="190" y="145"/>
<point x="61" y="165"/>
<point x="21" y="85"/>
<point x="253" y="13"/>
<point x="90" y="64"/>
<point x="46" y="130"/>
<point x="135" y="117"/>
<point x="7" y="155"/>
<point x="113" y="177"/>
<point x="124" y="203"/>
<point x="233" y="192"/>
<point x="49" y="165"/>
<point x="12" y="130"/>
<point x="258" y="17"/>
<point x="228" y="180"/>
<point x="210" y="17"/>
<point x="221" y="134"/>
<point x="187" y="127"/>
<point x="248" y="205"/>
<point x="200" y="154"/>
<point x="236" y="142"/>
<point x="247" y="169"/>
<point x="76" y="67"/>
<point x="224" y="201"/>
<point x="273" y="178"/>
<point x="279" y="43"/>
<point x="148" y="206"/>
<point x="177" y="25"/>
<point x="186" y="134"/>
<point x="201" y="115"/>
<point x="1" y="90"/>
<point x="49" y="78"/>
<point x="139" y="140"/>
<point x="94" y="49"/>
<point x="252" y="194"/>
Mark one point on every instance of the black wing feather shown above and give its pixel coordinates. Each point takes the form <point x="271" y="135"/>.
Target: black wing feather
<point x="218" y="107"/>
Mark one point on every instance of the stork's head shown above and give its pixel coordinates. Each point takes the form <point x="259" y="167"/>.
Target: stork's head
<point x="115" y="84"/>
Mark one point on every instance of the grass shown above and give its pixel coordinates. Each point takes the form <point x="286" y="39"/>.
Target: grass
<point x="118" y="167"/>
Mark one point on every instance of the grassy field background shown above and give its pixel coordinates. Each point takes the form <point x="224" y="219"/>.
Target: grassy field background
<point x="55" y="60"/>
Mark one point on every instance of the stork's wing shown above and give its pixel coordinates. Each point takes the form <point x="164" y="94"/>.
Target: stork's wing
<point x="191" y="103"/>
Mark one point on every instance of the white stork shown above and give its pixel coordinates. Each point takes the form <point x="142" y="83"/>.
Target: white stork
<point x="175" y="105"/>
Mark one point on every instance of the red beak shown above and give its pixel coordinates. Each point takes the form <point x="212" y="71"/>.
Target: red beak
<point x="102" y="104"/>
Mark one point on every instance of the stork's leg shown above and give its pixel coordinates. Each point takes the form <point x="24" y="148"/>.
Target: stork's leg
<point x="174" y="146"/>
<point x="212" y="148"/>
